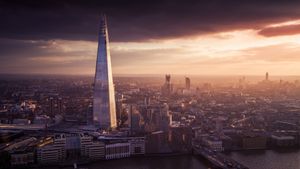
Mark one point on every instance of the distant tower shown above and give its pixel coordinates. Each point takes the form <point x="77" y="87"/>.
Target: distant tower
<point x="60" y="106"/>
<point x="51" y="113"/>
<point x="187" y="83"/>
<point x="104" y="106"/>
<point x="167" y="87"/>
<point x="168" y="79"/>
<point x="147" y="101"/>
<point x="267" y="76"/>
<point x="89" y="115"/>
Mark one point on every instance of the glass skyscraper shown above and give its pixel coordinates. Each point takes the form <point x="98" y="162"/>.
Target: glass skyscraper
<point x="104" y="108"/>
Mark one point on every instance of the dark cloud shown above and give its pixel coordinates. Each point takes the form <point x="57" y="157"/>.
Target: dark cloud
<point x="10" y="47"/>
<point x="280" y="31"/>
<point x="30" y="28"/>
<point x="27" y="56"/>
<point x="137" y="20"/>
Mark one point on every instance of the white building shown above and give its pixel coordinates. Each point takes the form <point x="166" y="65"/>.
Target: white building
<point x="52" y="150"/>
<point x="93" y="150"/>
<point x="85" y="140"/>
<point x="117" y="150"/>
<point x="96" y="151"/>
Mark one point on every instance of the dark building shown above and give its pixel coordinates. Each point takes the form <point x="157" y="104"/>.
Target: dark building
<point x="167" y="88"/>
<point x="187" y="83"/>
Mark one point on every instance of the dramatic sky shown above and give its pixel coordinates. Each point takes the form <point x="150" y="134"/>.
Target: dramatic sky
<point x="212" y="37"/>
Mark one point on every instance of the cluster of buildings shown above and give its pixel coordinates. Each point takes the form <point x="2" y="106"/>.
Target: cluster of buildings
<point x="63" y="149"/>
<point x="168" y="88"/>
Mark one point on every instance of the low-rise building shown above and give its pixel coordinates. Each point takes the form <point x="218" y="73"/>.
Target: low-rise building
<point x="117" y="150"/>
<point x="283" y="141"/>
<point x="157" y="142"/>
<point x="22" y="151"/>
<point x="93" y="150"/>
<point x="96" y="151"/>
<point x="137" y="145"/>
<point x="251" y="141"/>
<point x="52" y="150"/>
<point x="21" y="158"/>
<point x="213" y="143"/>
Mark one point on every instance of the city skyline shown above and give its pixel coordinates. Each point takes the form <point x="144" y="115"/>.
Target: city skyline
<point x="150" y="84"/>
<point x="158" y="40"/>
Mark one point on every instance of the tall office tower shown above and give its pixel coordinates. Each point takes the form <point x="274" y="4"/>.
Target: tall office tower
<point x="167" y="87"/>
<point x="104" y="108"/>
<point x="267" y="76"/>
<point x="187" y="83"/>
<point x="168" y="79"/>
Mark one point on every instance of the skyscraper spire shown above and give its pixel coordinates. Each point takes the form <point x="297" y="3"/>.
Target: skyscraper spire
<point x="104" y="110"/>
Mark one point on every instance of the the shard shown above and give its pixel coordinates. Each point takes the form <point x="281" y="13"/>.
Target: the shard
<point x="104" y="108"/>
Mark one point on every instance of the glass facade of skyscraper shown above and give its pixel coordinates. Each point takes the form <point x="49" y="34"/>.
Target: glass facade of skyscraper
<point x="104" y="110"/>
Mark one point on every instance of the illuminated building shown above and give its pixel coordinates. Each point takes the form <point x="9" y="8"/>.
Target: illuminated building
<point x="104" y="108"/>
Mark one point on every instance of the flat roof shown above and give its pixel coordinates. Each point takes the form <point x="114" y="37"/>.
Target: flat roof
<point x="22" y="127"/>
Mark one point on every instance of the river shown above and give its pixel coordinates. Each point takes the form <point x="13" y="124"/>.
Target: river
<point x="268" y="159"/>
<point x="254" y="159"/>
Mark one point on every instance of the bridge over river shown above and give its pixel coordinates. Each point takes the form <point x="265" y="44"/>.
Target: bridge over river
<point x="217" y="159"/>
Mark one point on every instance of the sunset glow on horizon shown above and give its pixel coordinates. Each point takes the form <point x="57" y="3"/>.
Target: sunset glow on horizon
<point x="243" y="48"/>
<point x="234" y="52"/>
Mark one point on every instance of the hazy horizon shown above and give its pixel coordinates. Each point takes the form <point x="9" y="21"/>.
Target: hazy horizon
<point x="159" y="79"/>
<point x="161" y="75"/>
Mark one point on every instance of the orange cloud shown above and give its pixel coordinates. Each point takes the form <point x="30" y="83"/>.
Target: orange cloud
<point x="280" y="30"/>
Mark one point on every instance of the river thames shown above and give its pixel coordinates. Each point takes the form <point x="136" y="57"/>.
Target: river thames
<point x="256" y="159"/>
<point x="268" y="159"/>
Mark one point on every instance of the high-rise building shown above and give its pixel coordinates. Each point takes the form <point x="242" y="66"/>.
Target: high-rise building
<point x="267" y="76"/>
<point x="51" y="113"/>
<point x="89" y="115"/>
<point x="134" y="119"/>
<point x="104" y="108"/>
<point x="187" y="83"/>
<point x="167" y="87"/>
<point x="60" y="106"/>
<point x="168" y="79"/>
